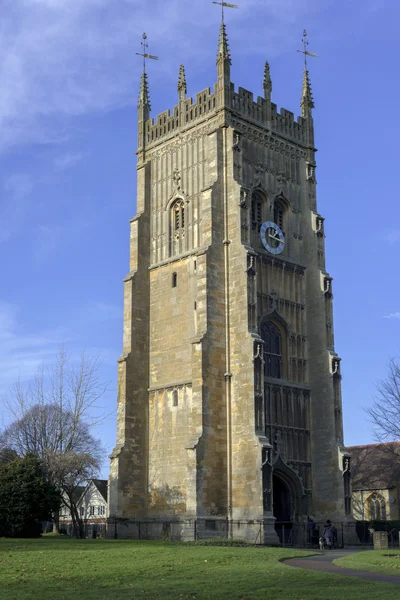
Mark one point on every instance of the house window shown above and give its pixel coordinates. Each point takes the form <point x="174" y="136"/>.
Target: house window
<point x="377" y="508"/>
<point x="175" y="398"/>
<point x="82" y="511"/>
<point x="101" y="510"/>
<point x="272" y="337"/>
<point x="91" y="511"/>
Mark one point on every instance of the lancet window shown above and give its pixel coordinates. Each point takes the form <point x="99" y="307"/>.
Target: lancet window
<point x="257" y="202"/>
<point x="279" y="214"/>
<point x="177" y="226"/>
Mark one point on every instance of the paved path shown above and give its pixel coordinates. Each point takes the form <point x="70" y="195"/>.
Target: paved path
<point x="323" y="562"/>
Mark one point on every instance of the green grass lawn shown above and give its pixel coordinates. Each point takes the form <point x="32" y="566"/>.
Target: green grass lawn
<point x="379" y="561"/>
<point x="54" y="568"/>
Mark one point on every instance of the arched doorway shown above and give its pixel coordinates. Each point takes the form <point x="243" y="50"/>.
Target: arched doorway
<point x="281" y="501"/>
<point x="282" y="507"/>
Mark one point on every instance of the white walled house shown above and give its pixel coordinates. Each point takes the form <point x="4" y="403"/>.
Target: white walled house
<point x="92" y="507"/>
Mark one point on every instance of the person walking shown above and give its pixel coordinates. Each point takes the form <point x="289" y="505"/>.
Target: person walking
<point x="328" y="534"/>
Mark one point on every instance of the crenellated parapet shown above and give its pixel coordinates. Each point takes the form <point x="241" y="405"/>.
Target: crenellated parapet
<point x="190" y="112"/>
<point x="226" y="100"/>
<point x="167" y="123"/>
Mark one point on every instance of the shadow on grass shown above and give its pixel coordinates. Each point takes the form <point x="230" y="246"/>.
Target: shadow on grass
<point x="54" y="544"/>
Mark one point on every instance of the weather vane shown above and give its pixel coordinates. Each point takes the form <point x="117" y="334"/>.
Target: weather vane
<point x="226" y="5"/>
<point x="305" y="51"/>
<point x="145" y="55"/>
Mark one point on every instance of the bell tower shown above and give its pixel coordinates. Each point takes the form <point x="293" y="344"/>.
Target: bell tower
<point x="229" y="402"/>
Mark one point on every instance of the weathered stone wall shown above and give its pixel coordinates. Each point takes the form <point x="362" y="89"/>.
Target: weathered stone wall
<point x="172" y="323"/>
<point x="189" y="443"/>
<point x="129" y="460"/>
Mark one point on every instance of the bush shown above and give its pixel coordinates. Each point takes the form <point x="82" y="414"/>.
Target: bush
<point x="26" y="498"/>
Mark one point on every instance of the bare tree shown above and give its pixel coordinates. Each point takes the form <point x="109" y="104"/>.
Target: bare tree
<point x="53" y="420"/>
<point x="385" y="410"/>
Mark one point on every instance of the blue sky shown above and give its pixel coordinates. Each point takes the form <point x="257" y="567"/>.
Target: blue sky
<point x="69" y="81"/>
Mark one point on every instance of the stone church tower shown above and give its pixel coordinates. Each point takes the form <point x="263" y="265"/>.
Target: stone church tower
<point x="229" y="401"/>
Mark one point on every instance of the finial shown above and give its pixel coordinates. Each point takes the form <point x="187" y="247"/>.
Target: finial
<point x="223" y="46"/>
<point x="182" y="81"/>
<point x="144" y="97"/>
<point x="307" y="102"/>
<point x="267" y="84"/>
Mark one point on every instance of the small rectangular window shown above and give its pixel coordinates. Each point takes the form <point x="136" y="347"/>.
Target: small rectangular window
<point x="175" y="398"/>
<point x="195" y="265"/>
<point x="174" y="279"/>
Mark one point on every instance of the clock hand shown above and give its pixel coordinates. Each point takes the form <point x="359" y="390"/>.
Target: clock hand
<point x="277" y="239"/>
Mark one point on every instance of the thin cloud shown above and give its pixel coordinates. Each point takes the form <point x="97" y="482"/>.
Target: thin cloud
<point x="16" y="189"/>
<point x="395" y="315"/>
<point x="68" y="160"/>
<point x="22" y="353"/>
<point x="60" y="59"/>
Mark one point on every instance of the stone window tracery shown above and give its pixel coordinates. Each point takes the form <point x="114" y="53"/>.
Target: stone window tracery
<point x="257" y="202"/>
<point x="279" y="214"/>
<point x="256" y="212"/>
<point x="177" y="225"/>
<point x="347" y="485"/>
<point x="376" y="506"/>
<point x="272" y="337"/>
<point x="179" y="215"/>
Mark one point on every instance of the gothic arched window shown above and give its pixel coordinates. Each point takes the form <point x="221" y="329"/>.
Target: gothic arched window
<point x="177" y="226"/>
<point x="179" y="215"/>
<point x="257" y="201"/>
<point x="272" y="336"/>
<point x="376" y="508"/>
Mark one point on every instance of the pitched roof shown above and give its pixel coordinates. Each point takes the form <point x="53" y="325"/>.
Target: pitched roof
<point x="78" y="491"/>
<point x="102" y="485"/>
<point x="375" y="466"/>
